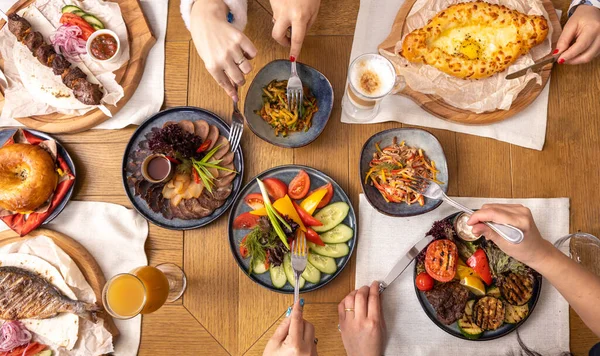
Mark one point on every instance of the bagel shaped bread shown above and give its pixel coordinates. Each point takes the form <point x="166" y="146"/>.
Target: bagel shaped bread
<point x="28" y="177"/>
<point x="474" y="40"/>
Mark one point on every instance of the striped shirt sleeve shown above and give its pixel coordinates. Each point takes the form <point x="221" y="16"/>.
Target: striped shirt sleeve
<point x="575" y="3"/>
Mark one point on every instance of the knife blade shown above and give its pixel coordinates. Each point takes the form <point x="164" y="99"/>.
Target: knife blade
<point x="404" y="262"/>
<point x="535" y="67"/>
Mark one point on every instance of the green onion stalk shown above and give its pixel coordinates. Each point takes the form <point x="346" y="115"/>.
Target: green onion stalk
<point x="274" y="216"/>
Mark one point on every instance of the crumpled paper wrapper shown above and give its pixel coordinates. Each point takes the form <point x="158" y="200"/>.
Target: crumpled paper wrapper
<point x="489" y="94"/>
<point x="94" y="339"/>
<point x="44" y="16"/>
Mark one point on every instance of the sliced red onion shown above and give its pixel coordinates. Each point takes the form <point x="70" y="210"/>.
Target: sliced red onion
<point x="67" y="42"/>
<point x="13" y="334"/>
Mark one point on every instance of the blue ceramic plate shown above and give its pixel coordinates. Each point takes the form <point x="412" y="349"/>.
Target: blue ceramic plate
<point x="503" y="330"/>
<point x="413" y="137"/>
<point x="286" y="174"/>
<point x="6" y="134"/>
<point x="179" y="114"/>
<point x="280" y="70"/>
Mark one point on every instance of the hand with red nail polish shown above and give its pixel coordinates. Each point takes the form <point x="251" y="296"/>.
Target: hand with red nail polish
<point x="299" y="15"/>
<point x="579" y="42"/>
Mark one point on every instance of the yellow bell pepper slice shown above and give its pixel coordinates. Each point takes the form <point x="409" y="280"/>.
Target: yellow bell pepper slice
<point x="259" y="212"/>
<point x="312" y="201"/>
<point x="285" y="207"/>
<point x="463" y="271"/>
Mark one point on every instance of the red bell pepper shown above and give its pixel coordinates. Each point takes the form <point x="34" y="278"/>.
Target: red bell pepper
<point x="312" y="236"/>
<point x="196" y="176"/>
<point x="75" y="20"/>
<point x="204" y="146"/>
<point x="306" y="218"/>
<point x="481" y="266"/>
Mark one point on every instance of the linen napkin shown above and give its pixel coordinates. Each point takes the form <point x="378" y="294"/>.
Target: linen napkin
<point x="115" y="236"/>
<point x="383" y="240"/>
<point x="374" y="22"/>
<point x="149" y="96"/>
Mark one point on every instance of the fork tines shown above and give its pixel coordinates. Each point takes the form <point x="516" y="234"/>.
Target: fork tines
<point x="299" y="246"/>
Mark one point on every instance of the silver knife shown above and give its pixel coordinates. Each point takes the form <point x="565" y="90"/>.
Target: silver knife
<point x="404" y="262"/>
<point x="534" y="67"/>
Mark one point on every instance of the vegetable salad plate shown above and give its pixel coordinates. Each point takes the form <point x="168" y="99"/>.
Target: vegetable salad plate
<point x="178" y="169"/>
<point x="276" y="207"/>
<point x="471" y="289"/>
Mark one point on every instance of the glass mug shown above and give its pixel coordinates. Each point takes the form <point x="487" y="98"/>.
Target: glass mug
<point x="144" y="290"/>
<point x="371" y="77"/>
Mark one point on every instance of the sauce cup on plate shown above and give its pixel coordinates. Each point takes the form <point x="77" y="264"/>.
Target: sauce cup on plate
<point x="103" y="46"/>
<point x="157" y="168"/>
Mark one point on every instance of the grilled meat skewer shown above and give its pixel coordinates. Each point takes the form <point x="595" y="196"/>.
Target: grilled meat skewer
<point x="73" y="77"/>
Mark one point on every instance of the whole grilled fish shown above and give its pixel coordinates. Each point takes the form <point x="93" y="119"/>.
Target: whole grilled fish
<point x="25" y="295"/>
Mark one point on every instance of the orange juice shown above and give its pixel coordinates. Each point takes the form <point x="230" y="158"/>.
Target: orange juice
<point x="125" y="295"/>
<point x="157" y="287"/>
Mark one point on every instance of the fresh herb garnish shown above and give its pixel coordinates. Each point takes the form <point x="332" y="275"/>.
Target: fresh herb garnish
<point x="264" y="245"/>
<point x="274" y="216"/>
<point x="202" y="166"/>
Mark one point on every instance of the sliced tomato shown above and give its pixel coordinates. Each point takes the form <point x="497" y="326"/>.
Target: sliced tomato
<point x="27" y="350"/>
<point x="327" y="198"/>
<point x="306" y="218"/>
<point x="441" y="260"/>
<point x="75" y="20"/>
<point x="424" y="282"/>
<point x="312" y="236"/>
<point x="275" y="188"/>
<point x="254" y="201"/>
<point x="245" y="221"/>
<point x="243" y="248"/>
<point x="299" y="186"/>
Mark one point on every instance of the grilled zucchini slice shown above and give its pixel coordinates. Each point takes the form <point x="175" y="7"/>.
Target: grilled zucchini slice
<point x="488" y="313"/>
<point x="493" y="291"/>
<point x="517" y="289"/>
<point x="466" y="325"/>
<point x="515" y="314"/>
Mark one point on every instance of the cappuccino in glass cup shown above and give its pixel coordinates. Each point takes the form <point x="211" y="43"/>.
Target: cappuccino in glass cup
<point x="370" y="78"/>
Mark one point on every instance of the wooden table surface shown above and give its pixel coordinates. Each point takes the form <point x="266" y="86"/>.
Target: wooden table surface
<point x="223" y="311"/>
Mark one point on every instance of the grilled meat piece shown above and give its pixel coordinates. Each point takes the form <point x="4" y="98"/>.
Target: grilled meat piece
<point x="516" y="288"/>
<point x="33" y="40"/>
<point x="25" y="295"/>
<point x="60" y="64"/>
<point x="488" y="313"/>
<point x="71" y="75"/>
<point x="86" y="92"/>
<point x="448" y="300"/>
<point x="18" y="26"/>
<point x="45" y="54"/>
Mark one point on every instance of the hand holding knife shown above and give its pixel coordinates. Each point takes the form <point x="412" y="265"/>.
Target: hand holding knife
<point x="401" y="265"/>
<point x="534" y="67"/>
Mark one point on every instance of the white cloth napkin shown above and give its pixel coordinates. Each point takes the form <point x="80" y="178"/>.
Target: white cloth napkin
<point x="374" y="22"/>
<point x="115" y="236"/>
<point x="383" y="240"/>
<point x="149" y="96"/>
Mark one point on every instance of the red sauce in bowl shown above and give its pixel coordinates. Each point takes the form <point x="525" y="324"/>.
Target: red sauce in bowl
<point x="104" y="47"/>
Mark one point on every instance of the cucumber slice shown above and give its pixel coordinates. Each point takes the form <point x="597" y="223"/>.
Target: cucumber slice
<point x="44" y="353"/>
<point x="339" y="234"/>
<point x="330" y="250"/>
<point x="259" y="267"/>
<point x="93" y="20"/>
<point x="289" y="271"/>
<point x="79" y="13"/>
<point x="311" y="274"/>
<point x="331" y="216"/>
<point x="71" y="9"/>
<point x="278" y="278"/>
<point x="322" y="263"/>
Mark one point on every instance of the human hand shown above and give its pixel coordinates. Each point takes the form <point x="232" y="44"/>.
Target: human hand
<point x="294" y="337"/>
<point x="363" y="328"/>
<point x="224" y="49"/>
<point x="532" y="251"/>
<point x="297" y="14"/>
<point x="583" y="27"/>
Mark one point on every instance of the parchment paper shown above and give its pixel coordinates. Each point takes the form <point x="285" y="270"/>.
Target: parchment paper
<point x="44" y="16"/>
<point x="482" y="95"/>
<point x="94" y="339"/>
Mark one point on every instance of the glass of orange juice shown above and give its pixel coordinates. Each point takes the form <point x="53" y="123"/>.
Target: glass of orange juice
<point x="143" y="290"/>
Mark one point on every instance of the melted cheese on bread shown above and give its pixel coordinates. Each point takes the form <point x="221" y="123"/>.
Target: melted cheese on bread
<point x="474" y="40"/>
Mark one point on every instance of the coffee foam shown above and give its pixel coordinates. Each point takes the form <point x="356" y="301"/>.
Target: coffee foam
<point x="372" y="76"/>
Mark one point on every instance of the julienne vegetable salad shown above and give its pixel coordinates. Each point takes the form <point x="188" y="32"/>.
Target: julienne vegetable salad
<point x="281" y="212"/>
<point x="472" y="283"/>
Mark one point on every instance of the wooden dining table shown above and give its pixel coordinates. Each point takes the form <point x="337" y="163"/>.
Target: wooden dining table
<point x="222" y="311"/>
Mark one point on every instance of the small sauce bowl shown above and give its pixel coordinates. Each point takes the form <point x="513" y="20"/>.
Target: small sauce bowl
<point x="463" y="230"/>
<point x="97" y="34"/>
<point x="153" y="167"/>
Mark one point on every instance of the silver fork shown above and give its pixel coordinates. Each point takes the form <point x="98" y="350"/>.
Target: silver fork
<point x="299" y="258"/>
<point x="432" y="190"/>
<point x="237" y="126"/>
<point x="295" y="94"/>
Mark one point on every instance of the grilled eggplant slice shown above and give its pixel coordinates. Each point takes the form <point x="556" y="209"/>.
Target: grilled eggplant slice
<point x="516" y="288"/>
<point x="488" y="313"/>
<point x="515" y="314"/>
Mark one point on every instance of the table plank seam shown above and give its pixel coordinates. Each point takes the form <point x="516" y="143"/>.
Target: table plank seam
<point x="263" y="334"/>
<point x="207" y="331"/>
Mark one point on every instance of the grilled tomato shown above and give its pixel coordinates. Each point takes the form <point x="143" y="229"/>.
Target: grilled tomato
<point x="441" y="260"/>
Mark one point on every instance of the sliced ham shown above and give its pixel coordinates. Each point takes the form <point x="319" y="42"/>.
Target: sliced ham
<point x="224" y="147"/>
<point x="228" y="158"/>
<point x="201" y="128"/>
<point x="225" y="181"/>
<point x="187" y="126"/>
<point x="213" y="135"/>
<point x="224" y="173"/>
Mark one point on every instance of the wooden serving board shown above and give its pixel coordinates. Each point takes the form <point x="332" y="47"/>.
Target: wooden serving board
<point x="435" y="105"/>
<point x="128" y="76"/>
<point x="84" y="260"/>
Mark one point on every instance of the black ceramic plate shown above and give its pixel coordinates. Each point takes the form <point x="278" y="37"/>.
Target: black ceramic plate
<point x="286" y="174"/>
<point x="415" y="138"/>
<point x="6" y="134"/>
<point x="179" y="114"/>
<point x="452" y="329"/>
